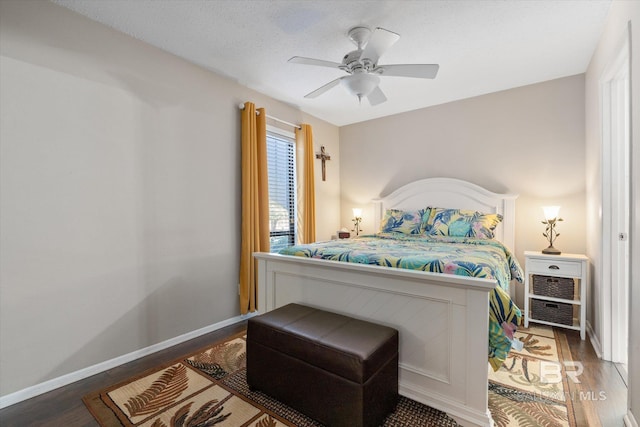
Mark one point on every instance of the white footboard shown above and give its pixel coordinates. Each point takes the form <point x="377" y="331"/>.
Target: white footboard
<point x="442" y="319"/>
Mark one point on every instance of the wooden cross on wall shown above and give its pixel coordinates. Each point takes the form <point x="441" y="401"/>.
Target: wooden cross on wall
<point x="324" y="157"/>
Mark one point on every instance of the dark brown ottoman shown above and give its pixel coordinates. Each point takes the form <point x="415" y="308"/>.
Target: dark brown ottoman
<point x="338" y="370"/>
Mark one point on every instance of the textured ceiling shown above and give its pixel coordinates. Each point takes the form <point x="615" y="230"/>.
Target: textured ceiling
<point x="481" y="46"/>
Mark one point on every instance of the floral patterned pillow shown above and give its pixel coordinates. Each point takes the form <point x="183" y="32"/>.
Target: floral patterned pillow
<point x="462" y="223"/>
<point x="407" y="222"/>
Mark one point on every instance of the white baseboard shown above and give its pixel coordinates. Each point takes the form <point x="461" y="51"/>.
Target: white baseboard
<point x="595" y="342"/>
<point x="630" y="420"/>
<point x="29" y="392"/>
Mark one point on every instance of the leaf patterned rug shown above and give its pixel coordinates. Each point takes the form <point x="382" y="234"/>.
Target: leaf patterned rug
<point x="209" y="388"/>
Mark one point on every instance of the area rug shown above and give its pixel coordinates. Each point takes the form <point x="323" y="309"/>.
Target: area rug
<point x="537" y="385"/>
<point x="209" y="388"/>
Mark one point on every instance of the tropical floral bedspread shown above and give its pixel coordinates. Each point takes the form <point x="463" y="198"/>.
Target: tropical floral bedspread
<point x="465" y="256"/>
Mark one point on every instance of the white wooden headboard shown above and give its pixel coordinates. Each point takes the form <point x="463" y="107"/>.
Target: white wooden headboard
<point x="452" y="193"/>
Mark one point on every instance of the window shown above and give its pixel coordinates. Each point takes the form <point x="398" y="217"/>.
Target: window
<point x="281" y="150"/>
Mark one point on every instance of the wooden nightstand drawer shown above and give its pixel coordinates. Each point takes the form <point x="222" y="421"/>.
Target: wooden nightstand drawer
<point x="553" y="267"/>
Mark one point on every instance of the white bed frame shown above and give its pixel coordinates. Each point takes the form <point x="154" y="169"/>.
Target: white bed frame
<point x="442" y="319"/>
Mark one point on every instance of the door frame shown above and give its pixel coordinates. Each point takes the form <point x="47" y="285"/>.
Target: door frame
<point x="615" y="98"/>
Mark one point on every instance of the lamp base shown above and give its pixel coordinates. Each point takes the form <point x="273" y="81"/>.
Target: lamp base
<point x="551" y="251"/>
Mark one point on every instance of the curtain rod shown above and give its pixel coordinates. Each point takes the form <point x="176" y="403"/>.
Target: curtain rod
<point x="241" y="106"/>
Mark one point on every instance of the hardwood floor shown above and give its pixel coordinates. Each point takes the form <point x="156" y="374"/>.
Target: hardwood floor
<point x="600" y="383"/>
<point x="64" y="407"/>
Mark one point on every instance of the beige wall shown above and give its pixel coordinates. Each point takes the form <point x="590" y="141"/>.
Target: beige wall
<point x="622" y="15"/>
<point x="120" y="196"/>
<point x="528" y="141"/>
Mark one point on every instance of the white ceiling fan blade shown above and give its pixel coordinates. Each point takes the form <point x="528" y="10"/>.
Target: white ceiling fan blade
<point x="378" y="43"/>
<point x="324" y="88"/>
<point x="421" y="71"/>
<point x="376" y="96"/>
<point x="311" y="61"/>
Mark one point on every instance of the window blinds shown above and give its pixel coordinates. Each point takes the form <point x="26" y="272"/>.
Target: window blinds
<point x="282" y="194"/>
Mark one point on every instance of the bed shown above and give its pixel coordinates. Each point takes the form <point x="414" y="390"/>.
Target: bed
<point x="443" y="319"/>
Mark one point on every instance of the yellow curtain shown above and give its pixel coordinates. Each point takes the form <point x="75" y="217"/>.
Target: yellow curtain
<point x="306" y="186"/>
<point x="255" y="202"/>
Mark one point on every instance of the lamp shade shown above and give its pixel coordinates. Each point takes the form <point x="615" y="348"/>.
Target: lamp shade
<point x="551" y="212"/>
<point x="357" y="212"/>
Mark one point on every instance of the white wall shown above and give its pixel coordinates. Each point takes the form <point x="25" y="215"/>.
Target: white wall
<point x="621" y="14"/>
<point x="119" y="198"/>
<point x="528" y="140"/>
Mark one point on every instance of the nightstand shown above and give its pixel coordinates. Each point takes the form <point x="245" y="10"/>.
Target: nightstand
<point x="555" y="290"/>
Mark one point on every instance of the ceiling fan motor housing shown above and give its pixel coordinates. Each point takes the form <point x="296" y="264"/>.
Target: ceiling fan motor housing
<point x="352" y="62"/>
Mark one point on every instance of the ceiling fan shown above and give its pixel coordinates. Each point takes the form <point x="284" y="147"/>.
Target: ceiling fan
<point x="363" y="68"/>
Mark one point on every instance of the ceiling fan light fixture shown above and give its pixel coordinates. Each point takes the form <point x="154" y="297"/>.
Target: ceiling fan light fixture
<point x="361" y="84"/>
